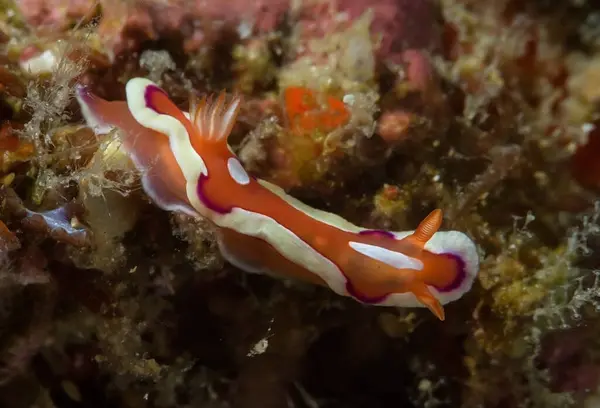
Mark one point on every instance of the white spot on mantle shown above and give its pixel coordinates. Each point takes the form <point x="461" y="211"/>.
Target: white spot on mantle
<point x="237" y="172"/>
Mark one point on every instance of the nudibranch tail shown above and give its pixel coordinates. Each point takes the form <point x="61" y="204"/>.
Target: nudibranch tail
<point x="149" y="150"/>
<point x="100" y="115"/>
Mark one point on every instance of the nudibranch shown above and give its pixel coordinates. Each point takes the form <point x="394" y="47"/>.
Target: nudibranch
<point x="186" y="165"/>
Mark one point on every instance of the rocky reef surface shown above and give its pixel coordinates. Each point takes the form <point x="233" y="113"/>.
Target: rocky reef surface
<point x="489" y="110"/>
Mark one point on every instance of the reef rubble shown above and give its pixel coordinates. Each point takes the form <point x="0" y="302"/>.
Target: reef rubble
<point x="379" y="111"/>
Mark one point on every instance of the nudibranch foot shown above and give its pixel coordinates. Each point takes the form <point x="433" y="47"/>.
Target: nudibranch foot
<point x="149" y="150"/>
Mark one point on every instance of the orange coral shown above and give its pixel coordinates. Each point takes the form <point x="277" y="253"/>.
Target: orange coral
<point x="311" y="117"/>
<point x="306" y="114"/>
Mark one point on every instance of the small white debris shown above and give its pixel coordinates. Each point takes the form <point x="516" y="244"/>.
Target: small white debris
<point x="245" y="29"/>
<point x="261" y="346"/>
<point x="44" y="63"/>
<point x="587" y="127"/>
<point x="425" y="385"/>
<point x="157" y="62"/>
<point x="349" y="99"/>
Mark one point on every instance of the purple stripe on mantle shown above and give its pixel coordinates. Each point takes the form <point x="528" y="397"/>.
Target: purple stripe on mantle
<point x="460" y="276"/>
<point x="205" y="200"/>
<point x="148" y="95"/>
<point x="352" y="291"/>
<point x="381" y="233"/>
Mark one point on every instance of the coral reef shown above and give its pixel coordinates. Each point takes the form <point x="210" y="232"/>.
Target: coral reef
<point x="378" y="111"/>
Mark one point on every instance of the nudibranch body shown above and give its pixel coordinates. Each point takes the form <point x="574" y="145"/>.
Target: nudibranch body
<point x="188" y="166"/>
